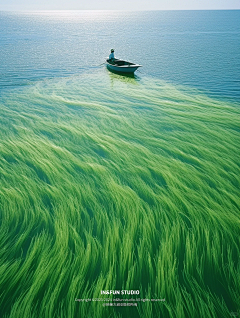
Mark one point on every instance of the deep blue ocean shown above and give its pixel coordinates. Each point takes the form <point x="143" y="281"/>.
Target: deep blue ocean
<point x="199" y="49"/>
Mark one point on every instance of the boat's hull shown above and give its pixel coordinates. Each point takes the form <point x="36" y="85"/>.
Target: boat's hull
<point x="128" y="68"/>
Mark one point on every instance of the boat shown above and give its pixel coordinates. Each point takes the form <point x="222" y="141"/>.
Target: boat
<point x="121" y="66"/>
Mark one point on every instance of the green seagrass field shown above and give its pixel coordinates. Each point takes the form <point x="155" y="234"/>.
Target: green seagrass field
<point x="109" y="182"/>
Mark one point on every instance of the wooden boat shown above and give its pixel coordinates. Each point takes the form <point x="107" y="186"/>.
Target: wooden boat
<point x="120" y="66"/>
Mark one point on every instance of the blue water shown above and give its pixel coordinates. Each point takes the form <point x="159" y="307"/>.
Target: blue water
<point x="199" y="49"/>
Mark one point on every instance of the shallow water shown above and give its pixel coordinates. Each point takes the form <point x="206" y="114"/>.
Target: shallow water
<point x="195" y="48"/>
<point x="113" y="182"/>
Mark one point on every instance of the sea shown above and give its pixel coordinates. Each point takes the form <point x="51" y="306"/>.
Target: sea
<point x="197" y="49"/>
<point x="114" y="182"/>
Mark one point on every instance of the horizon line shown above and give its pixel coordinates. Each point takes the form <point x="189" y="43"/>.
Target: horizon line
<point x="130" y="10"/>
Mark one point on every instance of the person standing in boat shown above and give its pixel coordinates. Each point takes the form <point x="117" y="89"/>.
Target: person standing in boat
<point x="111" y="56"/>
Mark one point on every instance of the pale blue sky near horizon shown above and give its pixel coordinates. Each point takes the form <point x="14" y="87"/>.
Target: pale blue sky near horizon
<point x="16" y="5"/>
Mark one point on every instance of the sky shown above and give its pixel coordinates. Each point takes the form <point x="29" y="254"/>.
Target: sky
<point x="15" y="5"/>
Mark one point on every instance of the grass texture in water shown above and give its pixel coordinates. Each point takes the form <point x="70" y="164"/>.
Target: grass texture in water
<point x="109" y="182"/>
